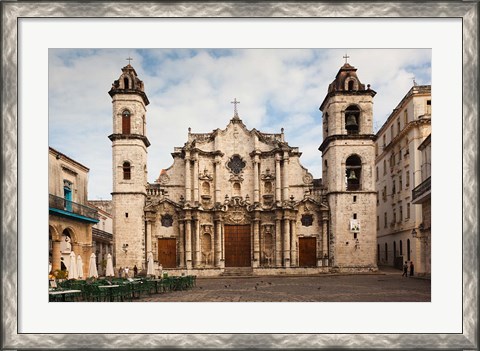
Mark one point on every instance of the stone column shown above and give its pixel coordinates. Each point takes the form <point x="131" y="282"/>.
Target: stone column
<point x="278" y="179"/>
<point x="286" y="242"/>
<point x="181" y="242"/>
<point x="149" y="236"/>
<point x="278" y="242"/>
<point x="285" y="176"/>
<point x="217" y="243"/>
<point x="256" y="185"/>
<point x="197" y="260"/>
<point x="217" y="179"/>
<point x="195" y="179"/>
<point x="188" y="178"/>
<point x="56" y="254"/>
<point x="188" y="241"/>
<point x="293" y="249"/>
<point x="256" y="240"/>
<point x="324" y="241"/>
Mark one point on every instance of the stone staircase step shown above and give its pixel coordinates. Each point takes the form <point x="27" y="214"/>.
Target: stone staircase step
<point x="237" y="271"/>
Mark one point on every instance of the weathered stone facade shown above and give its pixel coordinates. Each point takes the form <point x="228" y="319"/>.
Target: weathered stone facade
<point x="237" y="197"/>
<point x="348" y="156"/>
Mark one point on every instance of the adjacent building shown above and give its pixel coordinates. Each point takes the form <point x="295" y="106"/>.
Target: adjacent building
<point x="421" y="195"/>
<point x="70" y="217"/>
<point x="399" y="169"/>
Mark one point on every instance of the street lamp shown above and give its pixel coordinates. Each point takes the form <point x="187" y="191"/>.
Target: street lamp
<point x="414" y="232"/>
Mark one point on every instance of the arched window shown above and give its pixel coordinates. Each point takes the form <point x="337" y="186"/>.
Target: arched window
<point x="378" y="252"/>
<point x="352" y="119"/>
<point x="350" y="85"/>
<point x="408" y="249"/>
<point x="401" y="248"/>
<point x="353" y="167"/>
<point x="126" y="83"/>
<point x="127" y="169"/>
<point x="386" y="252"/>
<point x="394" y="250"/>
<point x="126" y="122"/>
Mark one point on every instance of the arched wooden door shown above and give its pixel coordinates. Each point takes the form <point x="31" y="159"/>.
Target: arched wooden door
<point x="307" y="250"/>
<point x="237" y="246"/>
<point x="167" y="252"/>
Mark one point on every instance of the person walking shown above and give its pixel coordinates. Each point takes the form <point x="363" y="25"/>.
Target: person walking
<point x="411" y="268"/>
<point x="135" y="271"/>
<point x="405" y="270"/>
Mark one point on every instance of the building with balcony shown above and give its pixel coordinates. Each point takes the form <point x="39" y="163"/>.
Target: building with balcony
<point x="70" y="218"/>
<point x="102" y="233"/>
<point x="398" y="168"/>
<point x="421" y="195"/>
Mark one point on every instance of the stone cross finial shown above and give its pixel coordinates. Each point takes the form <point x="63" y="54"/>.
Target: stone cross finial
<point x="129" y="59"/>
<point x="235" y="102"/>
<point x="346" y="57"/>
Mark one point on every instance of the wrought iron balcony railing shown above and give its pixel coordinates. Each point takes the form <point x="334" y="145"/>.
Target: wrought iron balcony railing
<point x="66" y="207"/>
<point x="422" y="189"/>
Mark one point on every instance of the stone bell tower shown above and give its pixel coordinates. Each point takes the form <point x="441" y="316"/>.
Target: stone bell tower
<point x="348" y="159"/>
<point x="129" y="166"/>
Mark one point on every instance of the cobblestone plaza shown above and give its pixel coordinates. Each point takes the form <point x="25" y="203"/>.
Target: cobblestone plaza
<point x="387" y="285"/>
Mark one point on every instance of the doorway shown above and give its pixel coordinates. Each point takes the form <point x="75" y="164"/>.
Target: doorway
<point x="237" y="246"/>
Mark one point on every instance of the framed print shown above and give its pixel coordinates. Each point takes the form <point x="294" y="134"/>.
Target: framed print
<point x="34" y="33"/>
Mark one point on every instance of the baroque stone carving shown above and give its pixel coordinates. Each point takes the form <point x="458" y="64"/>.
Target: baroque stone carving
<point x="308" y="178"/>
<point x="307" y="220"/>
<point x="167" y="220"/>
<point x="163" y="178"/>
<point x="205" y="175"/>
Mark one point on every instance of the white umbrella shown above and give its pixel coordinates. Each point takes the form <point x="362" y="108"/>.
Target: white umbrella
<point x="150" y="270"/>
<point x="109" y="271"/>
<point x="92" y="268"/>
<point x="72" y="270"/>
<point x="79" y="267"/>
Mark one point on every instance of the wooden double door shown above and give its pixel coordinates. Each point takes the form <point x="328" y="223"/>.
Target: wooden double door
<point x="307" y="252"/>
<point x="167" y="252"/>
<point x="238" y="252"/>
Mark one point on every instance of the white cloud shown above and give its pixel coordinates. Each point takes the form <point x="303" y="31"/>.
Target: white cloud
<point x="194" y="88"/>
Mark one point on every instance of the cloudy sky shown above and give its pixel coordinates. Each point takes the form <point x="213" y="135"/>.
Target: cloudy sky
<point x="194" y="87"/>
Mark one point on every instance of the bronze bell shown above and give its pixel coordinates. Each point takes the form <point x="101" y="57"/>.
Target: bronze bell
<point x="352" y="175"/>
<point x="351" y="121"/>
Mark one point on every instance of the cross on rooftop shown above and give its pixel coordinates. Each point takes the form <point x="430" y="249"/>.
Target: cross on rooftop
<point x="129" y="59"/>
<point x="346" y="57"/>
<point x="235" y="102"/>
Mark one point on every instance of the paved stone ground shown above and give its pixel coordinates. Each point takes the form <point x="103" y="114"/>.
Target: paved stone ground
<point x="387" y="285"/>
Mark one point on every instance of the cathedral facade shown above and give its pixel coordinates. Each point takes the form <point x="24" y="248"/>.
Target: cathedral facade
<point x="238" y="199"/>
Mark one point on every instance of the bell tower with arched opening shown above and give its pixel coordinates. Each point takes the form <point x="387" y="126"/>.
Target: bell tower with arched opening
<point x="129" y="166"/>
<point x="348" y="158"/>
